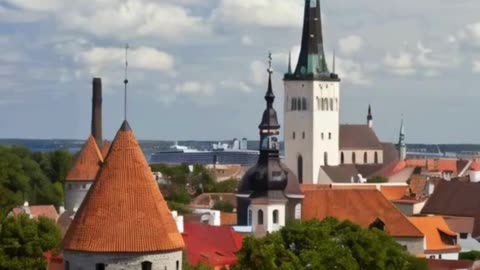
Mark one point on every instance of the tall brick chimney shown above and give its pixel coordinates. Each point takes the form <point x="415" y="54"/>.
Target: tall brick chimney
<point x="97" y="111"/>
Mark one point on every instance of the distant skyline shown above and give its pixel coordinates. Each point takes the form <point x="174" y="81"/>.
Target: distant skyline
<point x="198" y="67"/>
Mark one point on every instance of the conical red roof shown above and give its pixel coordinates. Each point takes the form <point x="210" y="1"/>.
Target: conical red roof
<point x="124" y="211"/>
<point x="88" y="162"/>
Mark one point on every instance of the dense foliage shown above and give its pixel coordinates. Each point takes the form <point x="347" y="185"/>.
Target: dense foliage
<point x="37" y="178"/>
<point x="223" y="206"/>
<point x="377" y="180"/>
<point x="326" y="245"/>
<point x="473" y="255"/>
<point x="23" y="242"/>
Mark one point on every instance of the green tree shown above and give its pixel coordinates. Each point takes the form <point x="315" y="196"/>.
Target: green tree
<point x="377" y="180"/>
<point x="471" y="255"/>
<point x="223" y="206"/>
<point x="23" y="242"/>
<point x="227" y="186"/>
<point x="326" y="245"/>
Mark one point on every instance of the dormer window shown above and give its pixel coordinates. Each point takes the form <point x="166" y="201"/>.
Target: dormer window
<point x="377" y="224"/>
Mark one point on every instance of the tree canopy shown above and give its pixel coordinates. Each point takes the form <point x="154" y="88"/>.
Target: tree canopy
<point x="23" y="242"/>
<point x="37" y="178"/>
<point x="326" y="245"/>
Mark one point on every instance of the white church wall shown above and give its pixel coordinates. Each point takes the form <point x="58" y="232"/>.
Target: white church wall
<point x="75" y="192"/>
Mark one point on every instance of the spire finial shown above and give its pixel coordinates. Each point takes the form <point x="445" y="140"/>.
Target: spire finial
<point x="270" y="70"/>
<point x="125" y="81"/>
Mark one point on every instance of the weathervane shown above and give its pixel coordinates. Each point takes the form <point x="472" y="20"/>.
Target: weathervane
<point x="270" y="70"/>
<point x="126" y="80"/>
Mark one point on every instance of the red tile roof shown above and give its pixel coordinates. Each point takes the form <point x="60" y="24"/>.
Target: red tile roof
<point x="124" y="211"/>
<point x="105" y="149"/>
<point x="449" y="264"/>
<point x="394" y="192"/>
<point x="431" y="228"/>
<point x="54" y="262"/>
<point x="87" y="164"/>
<point x="213" y="246"/>
<point x="228" y="219"/>
<point x="360" y="206"/>
<point x="36" y="211"/>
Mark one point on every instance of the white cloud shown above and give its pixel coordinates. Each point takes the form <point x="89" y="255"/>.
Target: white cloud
<point x="269" y="13"/>
<point x="37" y="5"/>
<point x="142" y="58"/>
<point x="195" y="88"/>
<point x="350" y="44"/>
<point x="401" y="64"/>
<point x="234" y="85"/>
<point x="476" y="66"/>
<point x="351" y="72"/>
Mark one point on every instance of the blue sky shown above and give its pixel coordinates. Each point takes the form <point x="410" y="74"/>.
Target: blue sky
<point x="198" y="67"/>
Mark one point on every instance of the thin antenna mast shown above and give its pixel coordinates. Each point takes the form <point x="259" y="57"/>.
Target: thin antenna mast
<point x="126" y="81"/>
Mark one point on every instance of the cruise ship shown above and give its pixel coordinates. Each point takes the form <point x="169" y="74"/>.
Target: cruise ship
<point x="221" y="154"/>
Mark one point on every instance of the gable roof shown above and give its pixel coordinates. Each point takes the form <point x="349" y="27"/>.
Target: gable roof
<point x="214" y="251"/>
<point x="431" y="228"/>
<point x="124" y="211"/>
<point x="88" y="162"/>
<point x="456" y="199"/>
<point x="36" y="211"/>
<point x="358" y="137"/>
<point x="360" y="206"/>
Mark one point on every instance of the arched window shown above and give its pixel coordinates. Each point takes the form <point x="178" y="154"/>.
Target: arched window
<point x="275" y="216"/>
<point x="322" y="135"/>
<point x="376" y="158"/>
<point x="303" y="135"/>
<point x="67" y="265"/>
<point x="294" y="104"/>
<point x="260" y="217"/>
<point x="331" y="105"/>
<point x="299" y="104"/>
<point x="354" y="158"/>
<point x="325" y="158"/>
<point x="146" y="265"/>
<point x="336" y="104"/>
<point x="300" y="169"/>
<point x="100" y="266"/>
<point x="365" y="158"/>
<point x="319" y="104"/>
<point x="249" y="216"/>
<point x="304" y="104"/>
<point x="298" y="211"/>
<point x="342" y="158"/>
<point x="325" y="104"/>
<point x="329" y="135"/>
<point x="293" y="135"/>
<point x="178" y="265"/>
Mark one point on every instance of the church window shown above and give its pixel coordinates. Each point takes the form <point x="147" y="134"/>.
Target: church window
<point x="249" y="216"/>
<point x="298" y="211"/>
<point x="329" y="135"/>
<point x="325" y="158"/>
<point x="294" y="104"/>
<point x="325" y="104"/>
<point x="300" y="169"/>
<point x="275" y="216"/>
<point x="304" y="104"/>
<point x="342" y="158"/>
<point x="319" y="104"/>
<point x="354" y="158"/>
<point x="146" y="265"/>
<point x="336" y="104"/>
<point x="299" y="104"/>
<point x="260" y="217"/>
<point x="331" y="104"/>
<point x="322" y="135"/>
<point x="376" y="157"/>
<point x="303" y="135"/>
<point x="293" y="135"/>
<point x="178" y="265"/>
<point x="67" y="265"/>
<point x="365" y="158"/>
<point x="100" y="266"/>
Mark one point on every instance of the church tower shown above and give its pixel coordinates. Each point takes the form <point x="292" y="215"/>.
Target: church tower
<point x="370" y="117"/>
<point x="402" y="146"/>
<point x="312" y="105"/>
<point x="269" y="194"/>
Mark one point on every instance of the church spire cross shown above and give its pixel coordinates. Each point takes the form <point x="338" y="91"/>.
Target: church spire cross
<point x="125" y="82"/>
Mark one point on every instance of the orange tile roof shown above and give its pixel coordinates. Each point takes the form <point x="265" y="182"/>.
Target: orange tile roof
<point x="394" y="192"/>
<point x="36" y="211"/>
<point x="360" y="206"/>
<point x="431" y="227"/>
<point x="475" y="166"/>
<point x="228" y="219"/>
<point x="124" y="211"/>
<point x="88" y="162"/>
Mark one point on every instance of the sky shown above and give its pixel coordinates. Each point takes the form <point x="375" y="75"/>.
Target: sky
<point x="197" y="68"/>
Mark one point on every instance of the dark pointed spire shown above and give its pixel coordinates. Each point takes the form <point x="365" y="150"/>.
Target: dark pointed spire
<point x="369" y="116"/>
<point x="312" y="64"/>
<point x="269" y="119"/>
<point x="290" y="62"/>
